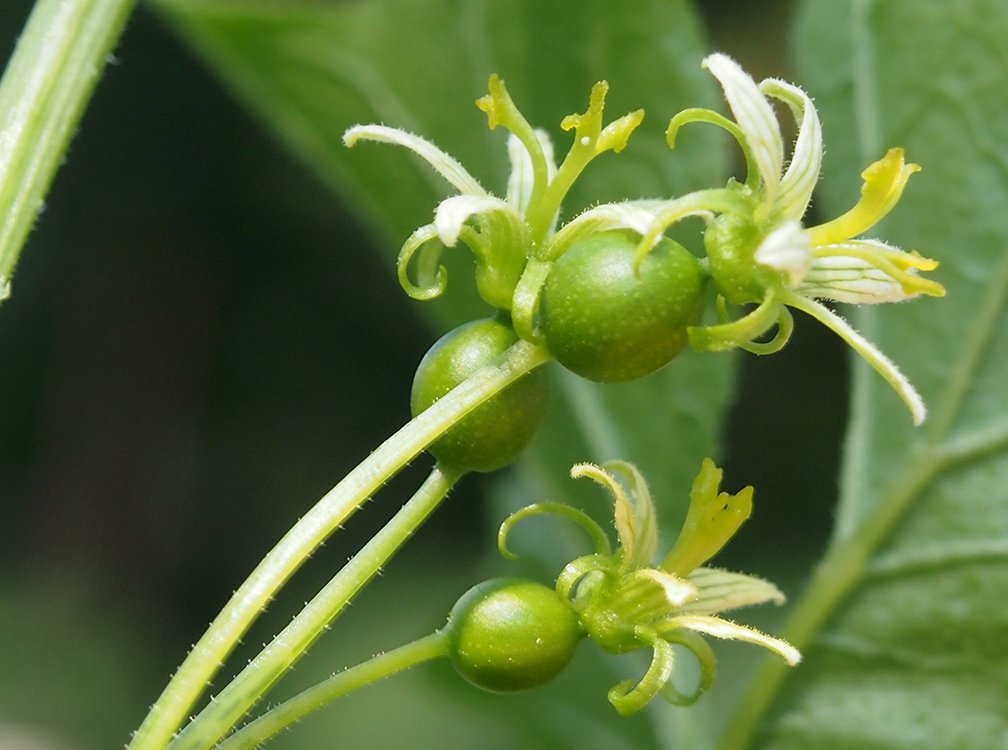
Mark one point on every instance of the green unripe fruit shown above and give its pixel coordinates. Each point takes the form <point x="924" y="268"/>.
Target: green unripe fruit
<point x="496" y="432"/>
<point x="606" y="323"/>
<point x="511" y="634"/>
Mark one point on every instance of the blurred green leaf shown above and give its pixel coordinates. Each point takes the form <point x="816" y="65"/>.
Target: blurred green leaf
<point x="312" y="69"/>
<point x="910" y="647"/>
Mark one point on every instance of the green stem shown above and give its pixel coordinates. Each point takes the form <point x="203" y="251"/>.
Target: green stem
<point x="280" y="717"/>
<point x="234" y="701"/>
<point x="44" y="91"/>
<point x="315" y="526"/>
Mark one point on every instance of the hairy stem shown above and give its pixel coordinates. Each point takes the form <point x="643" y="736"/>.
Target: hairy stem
<point x="383" y="665"/>
<point x="312" y="529"/>
<point x="227" y="707"/>
<point x="44" y="91"/>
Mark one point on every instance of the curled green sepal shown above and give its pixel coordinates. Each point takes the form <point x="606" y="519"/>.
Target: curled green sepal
<point x="525" y="301"/>
<point x="424" y="247"/>
<point x="593" y="570"/>
<point x="628" y="698"/>
<point x="582" y="519"/>
<point x="706" y="660"/>
<point x="744" y="332"/>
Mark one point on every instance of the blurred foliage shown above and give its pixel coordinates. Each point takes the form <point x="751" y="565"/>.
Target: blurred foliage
<point x="186" y="364"/>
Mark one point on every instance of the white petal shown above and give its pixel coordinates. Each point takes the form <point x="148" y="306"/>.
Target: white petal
<point x="442" y="163"/>
<point x="521" y="181"/>
<point x="851" y="280"/>
<point x="452" y="214"/>
<point x="754" y="116"/>
<point x="721" y="590"/>
<point x="806" y="161"/>
<point x="787" y="248"/>
<point x="879" y="361"/>
<point x="718" y="628"/>
<point x="677" y="590"/>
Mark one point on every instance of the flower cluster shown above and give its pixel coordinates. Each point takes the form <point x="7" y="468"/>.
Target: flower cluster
<point x="625" y="602"/>
<point x="758" y="251"/>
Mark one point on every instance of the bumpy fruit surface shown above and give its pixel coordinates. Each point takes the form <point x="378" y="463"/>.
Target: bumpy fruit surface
<point x="511" y="634"/>
<point x="608" y="324"/>
<point x="495" y="433"/>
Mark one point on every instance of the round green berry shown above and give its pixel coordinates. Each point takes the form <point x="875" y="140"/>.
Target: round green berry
<point x="496" y="432"/>
<point x="510" y="634"/>
<point x="608" y="323"/>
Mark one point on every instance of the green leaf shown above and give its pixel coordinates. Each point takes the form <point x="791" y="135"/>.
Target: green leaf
<point x="904" y="626"/>
<point x="309" y="70"/>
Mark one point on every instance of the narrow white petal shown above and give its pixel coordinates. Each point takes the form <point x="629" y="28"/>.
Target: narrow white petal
<point x="452" y="214"/>
<point x="677" y="590"/>
<point x="851" y="280"/>
<point x="755" y="117"/>
<point x="721" y="590"/>
<point x="879" y="361"/>
<point x="442" y="163"/>
<point x="806" y="160"/>
<point x="731" y="631"/>
<point x="787" y="248"/>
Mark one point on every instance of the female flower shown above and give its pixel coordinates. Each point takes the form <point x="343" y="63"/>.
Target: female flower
<point x="759" y="251"/>
<point x="624" y="602"/>
<point x="514" y="235"/>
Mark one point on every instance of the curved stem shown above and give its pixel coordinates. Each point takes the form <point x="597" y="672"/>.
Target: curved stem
<point x="46" y="86"/>
<point x="280" y="717"/>
<point x="312" y="529"/>
<point x="227" y="707"/>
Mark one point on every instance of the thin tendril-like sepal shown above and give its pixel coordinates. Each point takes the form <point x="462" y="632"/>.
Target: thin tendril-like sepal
<point x="698" y="203"/>
<point x="579" y="517"/>
<point x="628" y="698"/>
<point x="709" y="116"/>
<point x="574" y="572"/>
<point x="744" y="331"/>
<point x="706" y="660"/>
<point x="879" y="361"/>
<point x="431" y="282"/>
<point x="525" y="302"/>
<point x="785" y="327"/>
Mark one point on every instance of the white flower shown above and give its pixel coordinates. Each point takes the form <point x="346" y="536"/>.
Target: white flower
<point x="626" y="602"/>
<point x="760" y="252"/>
<point x="516" y="234"/>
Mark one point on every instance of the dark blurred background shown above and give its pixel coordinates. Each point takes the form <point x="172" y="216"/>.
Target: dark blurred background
<point x="185" y="368"/>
